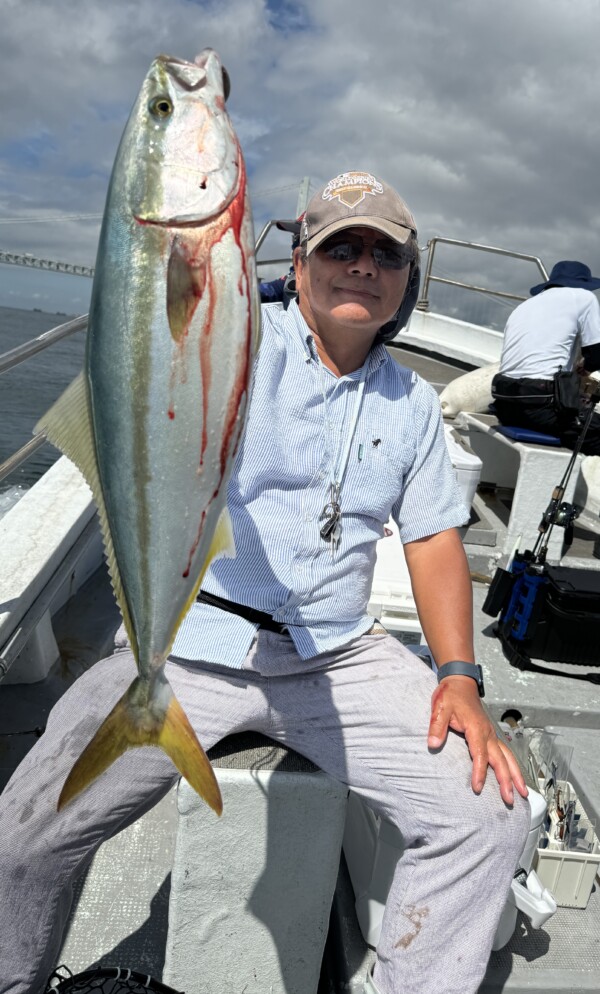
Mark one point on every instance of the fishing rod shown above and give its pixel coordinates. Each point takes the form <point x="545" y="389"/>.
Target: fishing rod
<point x="559" y="512"/>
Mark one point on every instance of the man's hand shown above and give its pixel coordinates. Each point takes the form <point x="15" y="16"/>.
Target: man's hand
<point x="456" y="704"/>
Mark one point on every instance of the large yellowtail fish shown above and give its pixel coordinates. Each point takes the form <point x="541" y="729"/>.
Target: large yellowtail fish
<point x="155" y="418"/>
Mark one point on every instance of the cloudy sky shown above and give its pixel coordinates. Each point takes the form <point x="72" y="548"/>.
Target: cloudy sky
<point x="485" y="116"/>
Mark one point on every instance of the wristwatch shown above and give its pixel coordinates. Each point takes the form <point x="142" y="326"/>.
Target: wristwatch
<point x="456" y="667"/>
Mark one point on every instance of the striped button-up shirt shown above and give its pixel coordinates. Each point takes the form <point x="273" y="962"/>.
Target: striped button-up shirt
<point x="297" y="425"/>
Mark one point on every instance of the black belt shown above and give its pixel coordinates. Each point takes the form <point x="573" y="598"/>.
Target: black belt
<point x="260" y="618"/>
<point x="511" y="388"/>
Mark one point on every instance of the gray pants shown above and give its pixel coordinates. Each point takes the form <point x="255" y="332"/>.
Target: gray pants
<point x="361" y="714"/>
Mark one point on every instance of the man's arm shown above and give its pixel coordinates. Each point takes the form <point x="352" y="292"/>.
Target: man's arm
<point x="441" y="584"/>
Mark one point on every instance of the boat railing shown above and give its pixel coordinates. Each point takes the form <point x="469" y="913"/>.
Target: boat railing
<point x="428" y="278"/>
<point x="28" y="349"/>
<point x="23" y="352"/>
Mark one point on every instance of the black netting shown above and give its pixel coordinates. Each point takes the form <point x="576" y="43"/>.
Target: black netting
<point x="108" y="980"/>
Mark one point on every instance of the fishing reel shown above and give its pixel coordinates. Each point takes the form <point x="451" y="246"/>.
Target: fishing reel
<point x="561" y="513"/>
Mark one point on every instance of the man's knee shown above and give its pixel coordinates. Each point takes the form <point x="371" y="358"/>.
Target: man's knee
<point x="503" y="828"/>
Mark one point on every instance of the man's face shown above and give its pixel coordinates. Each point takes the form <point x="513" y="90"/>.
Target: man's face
<point x="354" y="291"/>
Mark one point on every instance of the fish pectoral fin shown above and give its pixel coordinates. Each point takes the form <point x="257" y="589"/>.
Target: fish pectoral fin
<point x="222" y="545"/>
<point x="68" y="426"/>
<point x="160" y="722"/>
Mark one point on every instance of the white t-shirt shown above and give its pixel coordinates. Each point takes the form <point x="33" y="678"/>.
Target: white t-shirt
<point x="542" y="333"/>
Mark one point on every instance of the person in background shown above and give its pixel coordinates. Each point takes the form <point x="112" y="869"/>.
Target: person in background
<point x="338" y="437"/>
<point x="541" y="339"/>
<point x="283" y="289"/>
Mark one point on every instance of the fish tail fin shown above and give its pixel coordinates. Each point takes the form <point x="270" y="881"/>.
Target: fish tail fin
<point x="145" y="716"/>
<point x="178" y="739"/>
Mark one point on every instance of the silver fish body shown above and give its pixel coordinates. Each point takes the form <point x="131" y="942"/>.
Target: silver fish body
<point x="172" y="334"/>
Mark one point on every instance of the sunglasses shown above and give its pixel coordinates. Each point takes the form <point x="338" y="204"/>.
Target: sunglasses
<point x="350" y="249"/>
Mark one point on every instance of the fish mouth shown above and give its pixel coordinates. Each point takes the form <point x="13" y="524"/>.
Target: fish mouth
<point x="194" y="219"/>
<point x="178" y="222"/>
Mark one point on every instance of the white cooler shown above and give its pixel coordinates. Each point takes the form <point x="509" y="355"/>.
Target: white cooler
<point x="467" y="465"/>
<point x="391" y="594"/>
<point x="372" y="847"/>
<point x="391" y="598"/>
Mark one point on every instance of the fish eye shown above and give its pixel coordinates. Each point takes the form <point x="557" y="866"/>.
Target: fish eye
<point x="161" y="107"/>
<point x="226" y="83"/>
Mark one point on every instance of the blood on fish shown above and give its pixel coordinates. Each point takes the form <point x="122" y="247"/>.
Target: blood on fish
<point x="186" y="572"/>
<point x="186" y="280"/>
<point x="205" y="362"/>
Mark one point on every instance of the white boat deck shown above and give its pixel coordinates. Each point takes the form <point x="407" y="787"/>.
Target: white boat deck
<point x="121" y="918"/>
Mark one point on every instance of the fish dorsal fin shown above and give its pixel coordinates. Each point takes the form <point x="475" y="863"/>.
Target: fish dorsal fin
<point x="68" y="426"/>
<point x="222" y="546"/>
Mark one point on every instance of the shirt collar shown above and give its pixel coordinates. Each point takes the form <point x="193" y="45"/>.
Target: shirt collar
<point x="303" y="338"/>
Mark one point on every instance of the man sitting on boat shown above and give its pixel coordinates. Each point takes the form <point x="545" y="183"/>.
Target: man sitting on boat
<point x="339" y="436"/>
<point x="540" y="341"/>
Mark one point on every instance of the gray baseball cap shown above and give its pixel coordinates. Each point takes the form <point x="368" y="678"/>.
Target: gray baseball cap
<point x="356" y="198"/>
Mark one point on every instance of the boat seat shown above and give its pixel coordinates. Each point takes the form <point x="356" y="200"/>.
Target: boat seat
<point x="253" y="889"/>
<point x="237" y="903"/>
<point x="527" y="435"/>
<point x="531" y="466"/>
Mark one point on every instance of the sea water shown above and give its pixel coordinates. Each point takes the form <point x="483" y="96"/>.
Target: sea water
<point x="29" y="389"/>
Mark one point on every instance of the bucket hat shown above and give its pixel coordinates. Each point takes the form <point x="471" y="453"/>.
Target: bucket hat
<point x="573" y="274"/>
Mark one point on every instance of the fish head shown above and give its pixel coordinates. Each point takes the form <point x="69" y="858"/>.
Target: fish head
<point x="179" y="155"/>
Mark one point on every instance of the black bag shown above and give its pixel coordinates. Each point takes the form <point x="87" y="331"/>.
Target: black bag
<point x="566" y="392"/>
<point x="554" y="615"/>
<point x="499" y="592"/>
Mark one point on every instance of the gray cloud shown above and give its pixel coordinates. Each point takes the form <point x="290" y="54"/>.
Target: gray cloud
<point x="484" y="116"/>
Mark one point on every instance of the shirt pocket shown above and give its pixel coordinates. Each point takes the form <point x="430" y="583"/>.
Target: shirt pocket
<point x="374" y="478"/>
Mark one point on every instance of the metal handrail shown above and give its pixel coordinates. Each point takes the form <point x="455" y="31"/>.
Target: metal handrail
<point x="35" y="345"/>
<point x="423" y="301"/>
<point x="20" y="354"/>
<point x="22" y="455"/>
<point x="23" y="352"/>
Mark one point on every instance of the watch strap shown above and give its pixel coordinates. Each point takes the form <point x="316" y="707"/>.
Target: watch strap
<point x="457" y="667"/>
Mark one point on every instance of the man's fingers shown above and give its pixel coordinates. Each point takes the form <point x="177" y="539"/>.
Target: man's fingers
<point x="480" y="764"/>
<point x="490" y="751"/>
<point x="507" y="771"/>
<point x="515" y="770"/>
<point x="438" y="729"/>
<point x="500" y="767"/>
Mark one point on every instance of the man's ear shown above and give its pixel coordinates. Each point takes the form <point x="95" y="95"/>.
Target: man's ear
<point x="298" y="267"/>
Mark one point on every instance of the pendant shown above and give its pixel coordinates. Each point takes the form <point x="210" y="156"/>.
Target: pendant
<point x="332" y="513"/>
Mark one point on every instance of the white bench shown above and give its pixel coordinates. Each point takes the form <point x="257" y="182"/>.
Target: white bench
<point x="533" y="471"/>
<point x="51" y="544"/>
<point x="230" y="904"/>
<point x="251" y="892"/>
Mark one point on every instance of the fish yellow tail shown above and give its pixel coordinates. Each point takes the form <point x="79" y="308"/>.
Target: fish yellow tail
<point x="146" y="715"/>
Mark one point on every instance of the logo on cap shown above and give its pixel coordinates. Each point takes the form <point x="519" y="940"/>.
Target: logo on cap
<point x="352" y="188"/>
